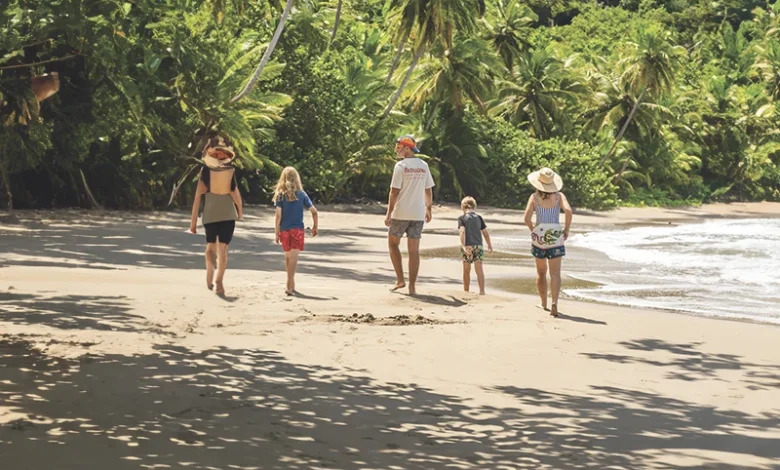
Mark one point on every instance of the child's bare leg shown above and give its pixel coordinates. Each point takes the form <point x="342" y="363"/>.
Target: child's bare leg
<point x="292" y="264"/>
<point x="480" y="276"/>
<point x="287" y="272"/>
<point x="287" y="288"/>
<point x="466" y="276"/>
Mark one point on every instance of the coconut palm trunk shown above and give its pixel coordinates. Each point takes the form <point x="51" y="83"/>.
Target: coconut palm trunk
<point x="267" y="55"/>
<point x="8" y="192"/>
<point x="407" y="77"/>
<point x="398" y="54"/>
<point x="429" y="123"/>
<point x="92" y="199"/>
<point x="622" y="169"/>
<point x="623" y="129"/>
<point x="336" y="22"/>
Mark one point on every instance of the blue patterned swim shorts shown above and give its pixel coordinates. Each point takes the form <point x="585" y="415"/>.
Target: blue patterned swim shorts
<point x="549" y="253"/>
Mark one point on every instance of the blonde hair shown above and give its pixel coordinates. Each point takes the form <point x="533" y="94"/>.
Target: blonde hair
<point x="468" y="203"/>
<point x="289" y="183"/>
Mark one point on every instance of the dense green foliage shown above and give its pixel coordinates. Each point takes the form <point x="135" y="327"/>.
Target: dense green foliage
<point x="492" y="93"/>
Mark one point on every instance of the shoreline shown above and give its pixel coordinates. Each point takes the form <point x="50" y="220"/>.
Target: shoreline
<point x="526" y="287"/>
<point x="583" y="256"/>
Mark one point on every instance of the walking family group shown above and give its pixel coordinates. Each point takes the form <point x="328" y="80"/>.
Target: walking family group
<point x="408" y="210"/>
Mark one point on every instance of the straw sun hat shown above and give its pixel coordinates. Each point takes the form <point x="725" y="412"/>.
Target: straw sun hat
<point x="218" y="154"/>
<point x="546" y="180"/>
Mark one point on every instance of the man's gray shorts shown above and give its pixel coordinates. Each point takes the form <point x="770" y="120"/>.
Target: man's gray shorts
<point x="412" y="228"/>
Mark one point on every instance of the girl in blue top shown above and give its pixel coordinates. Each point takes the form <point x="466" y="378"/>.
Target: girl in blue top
<point x="290" y="200"/>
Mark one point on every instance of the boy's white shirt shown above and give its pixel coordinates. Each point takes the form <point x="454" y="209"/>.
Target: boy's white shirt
<point x="412" y="177"/>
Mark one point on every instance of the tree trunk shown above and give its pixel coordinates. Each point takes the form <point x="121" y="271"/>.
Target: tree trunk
<point x="623" y="129"/>
<point x="8" y="192"/>
<point x="198" y="148"/>
<point x="397" y="94"/>
<point x="267" y="55"/>
<point x="75" y="185"/>
<point x="430" y="118"/>
<point x="179" y="184"/>
<point x="623" y="168"/>
<point x="397" y="57"/>
<point x="89" y="193"/>
<point x="336" y="23"/>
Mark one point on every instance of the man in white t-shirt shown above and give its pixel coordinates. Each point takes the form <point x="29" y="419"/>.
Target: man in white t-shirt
<point x="411" y="198"/>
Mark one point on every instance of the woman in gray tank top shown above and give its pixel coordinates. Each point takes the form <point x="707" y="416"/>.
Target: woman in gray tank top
<point x="547" y="234"/>
<point x="222" y="207"/>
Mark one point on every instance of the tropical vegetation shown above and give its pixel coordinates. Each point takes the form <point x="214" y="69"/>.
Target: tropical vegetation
<point x="633" y="101"/>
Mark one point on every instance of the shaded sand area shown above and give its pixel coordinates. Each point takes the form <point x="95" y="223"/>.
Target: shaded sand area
<point x="113" y="355"/>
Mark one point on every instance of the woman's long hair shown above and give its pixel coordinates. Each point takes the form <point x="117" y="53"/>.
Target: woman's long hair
<point x="289" y="183"/>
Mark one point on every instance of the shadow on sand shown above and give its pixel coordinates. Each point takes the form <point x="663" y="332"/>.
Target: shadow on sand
<point x="690" y="364"/>
<point x="226" y="408"/>
<point x="105" y="240"/>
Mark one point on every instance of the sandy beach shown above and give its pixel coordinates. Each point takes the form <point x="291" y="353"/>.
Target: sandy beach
<point x="114" y="355"/>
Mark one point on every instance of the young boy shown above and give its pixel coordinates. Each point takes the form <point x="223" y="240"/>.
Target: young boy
<point x="472" y="229"/>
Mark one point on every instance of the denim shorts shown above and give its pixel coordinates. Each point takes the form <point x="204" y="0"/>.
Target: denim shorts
<point x="549" y="253"/>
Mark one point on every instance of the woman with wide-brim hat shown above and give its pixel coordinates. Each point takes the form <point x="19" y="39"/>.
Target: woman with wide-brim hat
<point x="547" y="235"/>
<point x="221" y="209"/>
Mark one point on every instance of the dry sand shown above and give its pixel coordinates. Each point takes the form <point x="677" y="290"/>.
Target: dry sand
<point x="115" y="356"/>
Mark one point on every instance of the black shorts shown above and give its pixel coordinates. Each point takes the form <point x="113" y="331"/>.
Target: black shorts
<point x="222" y="230"/>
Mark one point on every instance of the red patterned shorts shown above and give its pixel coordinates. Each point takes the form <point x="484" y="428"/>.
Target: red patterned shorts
<point x="292" y="239"/>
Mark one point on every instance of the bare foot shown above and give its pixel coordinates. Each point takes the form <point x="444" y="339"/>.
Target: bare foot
<point x="554" y="310"/>
<point x="412" y="291"/>
<point x="220" y="288"/>
<point x="398" y="286"/>
<point x="288" y="292"/>
<point x="209" y="286"/>
<point x="543" y="307"/>
<point x="482" y="293"/>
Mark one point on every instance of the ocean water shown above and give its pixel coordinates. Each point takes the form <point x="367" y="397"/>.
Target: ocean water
<point x="728" y="268"/>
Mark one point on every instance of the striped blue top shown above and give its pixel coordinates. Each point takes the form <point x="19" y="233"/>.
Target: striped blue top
<point x="548" y="216"/>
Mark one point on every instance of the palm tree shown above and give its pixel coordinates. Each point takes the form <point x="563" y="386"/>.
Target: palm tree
<point x="267" y="55"/>
<point x="204" y="88"/>
<point x="403" y="15"/>
<point x="421" y="47"/>
<point x="467" y="71"/>
<point x="610" y="107"/>
<point x="740" y="133"/>
<point x="456" y="15"/>
<point x="539" y="92"/>
<point x="442" y="18"/>
<point x="648" y="69"/>
<point x="509" y="27"/>
<point x="336" y="21"/>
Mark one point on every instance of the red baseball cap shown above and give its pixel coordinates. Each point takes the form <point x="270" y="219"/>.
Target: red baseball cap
<point x="408" y="141"/>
